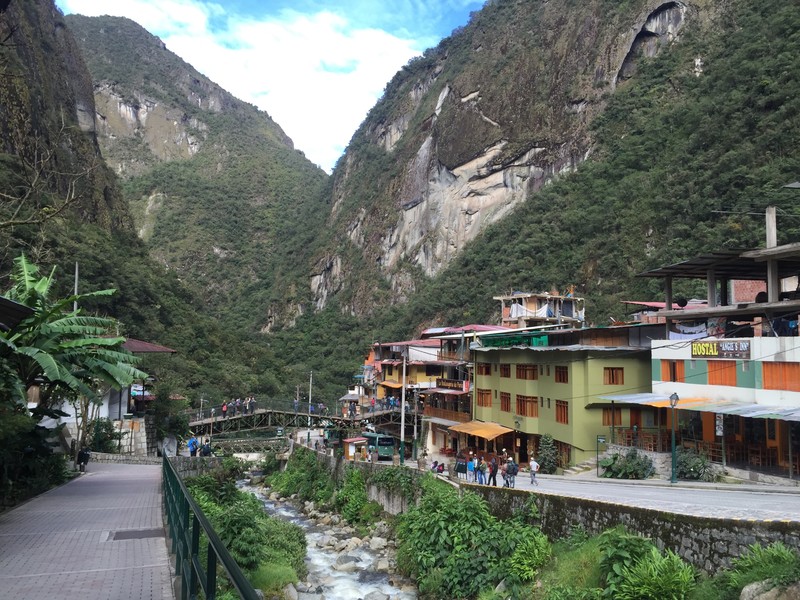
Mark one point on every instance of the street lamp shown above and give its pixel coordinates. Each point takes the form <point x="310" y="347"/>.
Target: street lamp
<point x="673" y="401"/>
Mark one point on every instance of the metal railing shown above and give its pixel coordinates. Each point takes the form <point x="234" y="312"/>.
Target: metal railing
<point x="185" y="521"/>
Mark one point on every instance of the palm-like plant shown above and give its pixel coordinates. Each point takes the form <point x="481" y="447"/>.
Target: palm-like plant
<point x="57" y="347"/>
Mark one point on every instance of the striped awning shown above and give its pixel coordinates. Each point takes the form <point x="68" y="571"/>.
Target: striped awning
<point x="702" y="404"/>
<point x="450" y="391"/>
<point x="481" y="429"/>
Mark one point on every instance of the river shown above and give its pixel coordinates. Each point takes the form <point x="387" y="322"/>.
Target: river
<point x="331" y="583"/>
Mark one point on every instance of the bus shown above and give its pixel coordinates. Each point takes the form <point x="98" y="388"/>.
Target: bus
<point x="383" y="443"/>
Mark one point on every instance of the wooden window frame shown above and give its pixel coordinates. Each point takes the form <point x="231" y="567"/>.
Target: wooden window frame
<point x="562" y="412"/>
<point x="613" y="376"/>
<point x="505" y="402"/>
<point x="561" y="374"/>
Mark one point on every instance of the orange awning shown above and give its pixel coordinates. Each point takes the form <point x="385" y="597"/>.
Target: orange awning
<point x="481" y="429"/>
<point x="391" y="384"/>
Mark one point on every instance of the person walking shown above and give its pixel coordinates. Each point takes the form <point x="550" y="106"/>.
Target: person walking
<point x="534" y="470"/>
<point x="192" y="445"/>
<point x="470" y="469"/>
<point x="481" y="471"/>
<point x="224" y="410"/>
<point x="511" y="472"/>
<point x="493" y="472"/>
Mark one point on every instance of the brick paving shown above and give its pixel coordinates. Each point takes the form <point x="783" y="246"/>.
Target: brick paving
<point x="62" y="544"/>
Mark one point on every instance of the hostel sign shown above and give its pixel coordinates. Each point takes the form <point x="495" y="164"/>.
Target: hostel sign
<point x="721" y="349"/>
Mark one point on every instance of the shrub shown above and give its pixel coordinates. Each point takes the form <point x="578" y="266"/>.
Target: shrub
<point x="632" y="465"/>
<point x="690" y="465"/>
<point x="775" y="562"/>
<point x="656" y="577"/>
<point x="105" y="438"/>
<point x="619" y="550"/>
<point x="272" y="578"/>
<point x="530" y="555"/>
<point x="351" y="499"/>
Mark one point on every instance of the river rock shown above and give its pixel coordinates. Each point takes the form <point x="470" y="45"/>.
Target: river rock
<point x="310" y="596"/>
<point x="346" y="563"/>
<point x="376" y="596"/>
<point x="325" y="541"/>
<point x="382" y="565"/>
<point x="377" y="543"/>
<point x="290" y="592"/>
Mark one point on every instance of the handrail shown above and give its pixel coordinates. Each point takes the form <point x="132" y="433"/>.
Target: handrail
<point x="180" y="508"/>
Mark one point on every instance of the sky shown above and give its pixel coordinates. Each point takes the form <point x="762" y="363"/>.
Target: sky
<point x="315" y="66"/>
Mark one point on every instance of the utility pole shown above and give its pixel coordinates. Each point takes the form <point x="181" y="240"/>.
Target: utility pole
<point x="310" y="380"/>
<point x="403" y="411"/>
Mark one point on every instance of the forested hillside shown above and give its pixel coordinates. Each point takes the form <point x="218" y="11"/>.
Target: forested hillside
<point x="244" y="239"/>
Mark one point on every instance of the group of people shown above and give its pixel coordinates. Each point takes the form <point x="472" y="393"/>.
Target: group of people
<point x="238" y="407"/>
<point x="477" y="470"/>
<point x="194" y="446"/>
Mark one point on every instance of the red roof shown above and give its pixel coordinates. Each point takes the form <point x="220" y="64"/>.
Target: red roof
<point x="139" y="347"/>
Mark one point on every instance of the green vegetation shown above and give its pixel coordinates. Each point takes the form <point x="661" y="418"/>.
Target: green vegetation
<point x="632" y="465"/>
<point x="548" y="454"/>
<point x="59" y="353"/>
<point x="270" y="551"/>
<point x="690" y="465"/>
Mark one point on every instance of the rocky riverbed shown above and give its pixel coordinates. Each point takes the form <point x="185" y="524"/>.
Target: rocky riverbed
<point x="341" y="564"/>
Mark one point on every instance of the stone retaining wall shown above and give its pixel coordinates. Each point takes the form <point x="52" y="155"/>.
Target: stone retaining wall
<point x="709" y="544"/>
<point x="130" y="459"/>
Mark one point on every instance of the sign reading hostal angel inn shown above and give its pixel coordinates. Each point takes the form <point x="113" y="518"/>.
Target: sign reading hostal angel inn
<point x="721" y="349"/>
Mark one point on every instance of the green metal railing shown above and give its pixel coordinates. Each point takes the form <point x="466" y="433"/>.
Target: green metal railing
<point x="185" y="521"/>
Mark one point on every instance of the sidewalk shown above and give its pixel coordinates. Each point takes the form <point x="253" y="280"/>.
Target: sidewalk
<point x="101" y="536"/>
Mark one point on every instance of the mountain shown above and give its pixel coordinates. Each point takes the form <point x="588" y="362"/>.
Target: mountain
<point x="546" y="144"/>
<point x="219" y="193"/>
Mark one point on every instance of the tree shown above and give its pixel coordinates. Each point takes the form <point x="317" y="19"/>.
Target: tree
<point x="59" y="350"/>
<point x="548" y="454"/>
<point x="61" y="354"/>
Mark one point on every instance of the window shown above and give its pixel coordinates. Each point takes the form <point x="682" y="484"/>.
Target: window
<point x="722" y="372"/>
<point x="562" y="411"/>
<point x="433" y="370"/>
<point x="562" y="375"/>
<point x="607" y="417"/>
<point x="485" y="398"/>
<point x="528" y="372"/>
<point x="613" y="376"/>
<point x="505" y="401"/>
<point x="389" y="370"/>
<point x="484" y="369"/>
<point x="673" y="370"/>
<point x="527" y="406"/>
<point x="781" y="376"/>
<point x="505" y="370"/>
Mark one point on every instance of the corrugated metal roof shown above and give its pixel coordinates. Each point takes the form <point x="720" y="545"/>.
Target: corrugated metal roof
<point x="702" y="404"/>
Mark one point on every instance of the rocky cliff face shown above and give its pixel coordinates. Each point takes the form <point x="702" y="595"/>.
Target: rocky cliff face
<point x="47" y="123"/>
<point x="480" y="123"/>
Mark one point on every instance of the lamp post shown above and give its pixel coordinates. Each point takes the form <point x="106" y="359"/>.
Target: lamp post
<point x="673" y="401"/>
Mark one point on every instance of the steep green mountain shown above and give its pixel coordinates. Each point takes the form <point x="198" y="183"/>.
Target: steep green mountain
<point x="61" y="205"/>
<point x="219" y="193"/>
<point x="545" y="144"/>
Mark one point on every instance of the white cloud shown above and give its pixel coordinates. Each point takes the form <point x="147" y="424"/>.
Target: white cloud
<point x="315" y="74"/>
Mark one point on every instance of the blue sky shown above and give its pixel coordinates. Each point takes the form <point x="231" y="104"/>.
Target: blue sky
<point x="316" y="66"/>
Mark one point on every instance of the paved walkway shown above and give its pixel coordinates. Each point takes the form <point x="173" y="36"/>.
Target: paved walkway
<point x="101" y="537"/>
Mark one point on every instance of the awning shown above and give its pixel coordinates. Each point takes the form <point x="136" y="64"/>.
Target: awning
<point x="356" y="440"/>
<point x="721" y="406"/>
<point x="449" y="391"/>
<point x="391" y="384"/>
<point x="481" y="429"/>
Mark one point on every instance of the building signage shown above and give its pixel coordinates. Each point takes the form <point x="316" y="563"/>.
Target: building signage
<point x="721" y="349"/>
